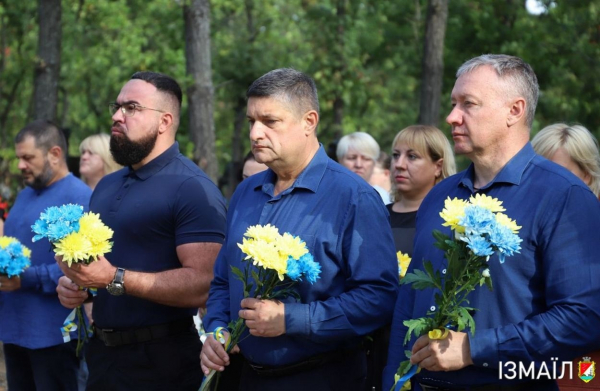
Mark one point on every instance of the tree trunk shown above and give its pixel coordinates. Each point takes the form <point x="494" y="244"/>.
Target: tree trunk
<point x="338" y="102"/>
<point x="433" y="62"/>
<point x="201" y="91"/>
<point x="47" y="69"/>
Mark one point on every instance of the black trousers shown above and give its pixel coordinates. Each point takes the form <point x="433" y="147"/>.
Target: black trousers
<point x="169" y="363"/>
<point x="48" y="369"/>
<point x="348" y="374"/>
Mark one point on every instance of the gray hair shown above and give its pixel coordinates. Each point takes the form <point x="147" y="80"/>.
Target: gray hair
<point x="361" y="142"/>
<point x="517" y="73"/>
<point x="289" y="86"/>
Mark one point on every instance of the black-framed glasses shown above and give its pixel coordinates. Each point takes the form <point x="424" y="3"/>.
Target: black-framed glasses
<point x="129" y="109"/>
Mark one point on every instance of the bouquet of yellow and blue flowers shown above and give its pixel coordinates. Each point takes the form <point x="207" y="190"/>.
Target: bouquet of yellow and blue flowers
<point x="14" y="257"/>
<point x="480" y="230"/>
<point x="79" y="238"/>
<point x="279" y="261"/>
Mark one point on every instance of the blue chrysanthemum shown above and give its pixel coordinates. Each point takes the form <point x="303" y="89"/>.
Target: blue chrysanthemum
<point x="310" y="268"/>
<point x="294" y="271"/>
<point x="505" y="241"/>
<point x="477" y="220"/>
<point x="71" y="212"/>
<point x="479" y="245"/>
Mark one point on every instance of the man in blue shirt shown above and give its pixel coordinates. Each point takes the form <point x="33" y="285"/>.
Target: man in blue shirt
<point x="168" y="219"/>
<point x="30" y="313"/>
<point x="313" y="343"/>
<point x="544" y="308"/>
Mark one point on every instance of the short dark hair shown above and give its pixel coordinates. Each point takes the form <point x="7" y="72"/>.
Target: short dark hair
<point x="162" y="82"/>
<point x="45" y="135"/>
<point x="289" y="86"/>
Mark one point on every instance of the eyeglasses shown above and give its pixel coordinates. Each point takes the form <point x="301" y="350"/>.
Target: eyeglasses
<point x="128" y="109"/>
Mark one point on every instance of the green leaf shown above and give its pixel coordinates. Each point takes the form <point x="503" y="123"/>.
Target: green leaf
<point x="488" y="282"/>
<point x="419" y="280"/>
<point x="417" y="327"/>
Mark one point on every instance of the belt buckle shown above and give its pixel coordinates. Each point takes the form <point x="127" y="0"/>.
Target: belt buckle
<point x="105" y="336"/>
<point x="256" y="367"/>
<point x="425" y="387"/>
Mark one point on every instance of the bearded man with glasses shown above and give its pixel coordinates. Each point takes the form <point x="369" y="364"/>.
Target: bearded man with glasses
<point x="169" y="224"/>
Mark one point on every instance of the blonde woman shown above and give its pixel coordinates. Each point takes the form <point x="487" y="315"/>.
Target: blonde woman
<point x="96" y="160"/>
<point x="573" y="147"/>
<point x="421" y="157"/>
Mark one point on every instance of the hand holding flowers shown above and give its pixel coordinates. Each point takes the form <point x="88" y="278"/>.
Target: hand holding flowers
<point x="77" y="238"/>
<point x="278" y="263"/>
<point x="14" y="259"/>
<point x="480" y="231"/>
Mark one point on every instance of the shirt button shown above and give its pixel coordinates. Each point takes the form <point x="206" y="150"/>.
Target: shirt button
<point x="443" y="271"/>
<point x="485" y="364"/>
<point x="432" y="308"/>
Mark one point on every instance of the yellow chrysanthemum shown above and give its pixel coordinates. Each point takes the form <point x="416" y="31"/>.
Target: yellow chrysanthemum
<point x="94" y="229"/>
<point x="292" y="246"/>
<point x="74" y="247"/>
<point x="6" y="240"/>
<point x="487" y="202"/>
<point x="26" y="251"/>
<point x="453" y="210"/>
<point x="267" y="233"/>
<point x="506" y="221"/>
<point x="403" y="262"/>
<point x="99" y="249"/>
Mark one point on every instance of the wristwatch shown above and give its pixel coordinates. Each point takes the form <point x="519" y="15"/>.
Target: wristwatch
<point x="117" y="286"/>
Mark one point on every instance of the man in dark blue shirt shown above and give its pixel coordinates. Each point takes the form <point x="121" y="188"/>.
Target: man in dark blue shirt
<point x="313" y="343"/>
<point x="169" y="223"/>
<point x="30" y="313"/>
<point x="544" y="308"/>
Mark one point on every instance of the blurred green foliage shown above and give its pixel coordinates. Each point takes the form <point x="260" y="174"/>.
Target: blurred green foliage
<point x="370" y="56"/>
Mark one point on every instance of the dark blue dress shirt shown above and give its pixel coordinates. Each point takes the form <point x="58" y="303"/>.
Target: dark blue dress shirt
<point x="545" y="303"/>
<point x="166" y="203"/>
<point x="346" y="228"/>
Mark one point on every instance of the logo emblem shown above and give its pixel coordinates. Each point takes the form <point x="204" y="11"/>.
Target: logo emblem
<point x="587" y="369"/>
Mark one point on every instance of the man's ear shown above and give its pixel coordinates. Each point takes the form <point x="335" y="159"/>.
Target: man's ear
<point x="55" y="155"/>
<point x="311" y="119"/>
<point x="516" y="112"/>
<point x="166" y="122"/>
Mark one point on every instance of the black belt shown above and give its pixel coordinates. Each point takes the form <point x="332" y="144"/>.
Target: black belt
<point x="112" y="337"/>
<point x="305" y="365"/>
<point x="489" y="387"/>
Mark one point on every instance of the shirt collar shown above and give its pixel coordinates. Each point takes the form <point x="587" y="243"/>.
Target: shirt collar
<point x="156" y="164"/>
<point x="309" y="178"/>
<point x="511" y="173"/>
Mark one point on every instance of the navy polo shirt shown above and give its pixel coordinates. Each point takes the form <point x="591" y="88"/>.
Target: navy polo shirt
<point x="152" y="210"/>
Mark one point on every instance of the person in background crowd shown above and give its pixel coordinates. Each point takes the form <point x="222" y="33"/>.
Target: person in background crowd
<point x="358" y="152"/>
<point x="31" y="315"/>
<point x="313" y="343"/>
<point x="421" y="158"/>
<point x="576" y="149"/>
<point x="168" y="219"/>
<point x="381" y="173"/>
<point x="96" y="160"/>
<point x="250" y="166"/>
<point x="3" y="214"/>
<point x="544" y="303"/>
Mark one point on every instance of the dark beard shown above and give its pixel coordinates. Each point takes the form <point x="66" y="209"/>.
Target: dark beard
<point x="127" y="152"/>
<point x="41" y="181"/>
